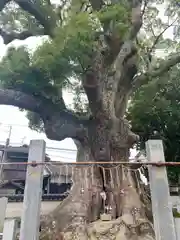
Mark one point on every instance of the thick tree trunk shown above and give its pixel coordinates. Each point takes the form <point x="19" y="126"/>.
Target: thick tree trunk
<point x="78" y="216"/>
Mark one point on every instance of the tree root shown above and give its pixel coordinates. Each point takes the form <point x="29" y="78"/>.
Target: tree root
<point x="82" y="206"/>
<point x="119" y="229"/>
<point x="77" y="217"/>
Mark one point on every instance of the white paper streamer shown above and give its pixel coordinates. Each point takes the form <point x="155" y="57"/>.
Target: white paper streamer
<point x="111" y="178"/>
<point x="117" y="176"/>
<point x="137" y="182"/>
<point x="60" y="173"/>
<point x="129" y="176"/>
<point x="66" y="173"/>
<point x="86" y="170"/>
<point x="123" y="173"/>
<point x="104" y="176"/>
<point x="92" y="175"/>
<point x="72" y="176"/>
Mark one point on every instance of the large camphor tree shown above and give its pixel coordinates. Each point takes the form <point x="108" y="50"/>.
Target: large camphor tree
<point x="103" y="51"/>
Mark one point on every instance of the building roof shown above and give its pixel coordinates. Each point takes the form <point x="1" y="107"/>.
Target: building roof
<point x="18" y="172"/>
<point x="21" y="149"/>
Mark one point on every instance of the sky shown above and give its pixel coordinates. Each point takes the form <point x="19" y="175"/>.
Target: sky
<point x="21" y="134"/>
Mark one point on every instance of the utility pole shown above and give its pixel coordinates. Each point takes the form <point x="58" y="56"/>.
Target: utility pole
<point x="9" y="137"/>
<point x="7" y="143"/>
<point x="3" y="158"/>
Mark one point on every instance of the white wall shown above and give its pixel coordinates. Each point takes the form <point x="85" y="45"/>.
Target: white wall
<point x="14" y="209"/>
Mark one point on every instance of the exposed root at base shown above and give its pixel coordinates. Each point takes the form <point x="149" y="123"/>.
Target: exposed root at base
<point x="76" y="217"/>
<point x="118" y="229"/>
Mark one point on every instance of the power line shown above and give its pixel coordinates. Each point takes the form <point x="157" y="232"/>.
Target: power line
<point x="62" y="149"/>
<point x="14" y="125"/>
<point x="48" y="148"/>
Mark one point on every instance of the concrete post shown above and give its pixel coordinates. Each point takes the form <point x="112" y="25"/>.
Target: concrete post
<point x="9" y="230"/>
<point x="160" y="196"/>
<point x="33" y="192"/>
<point x="3" y="206"/>
<point x="177" y="227"/>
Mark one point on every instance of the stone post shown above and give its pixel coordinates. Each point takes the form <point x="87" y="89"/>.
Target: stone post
<point x="9" y="230"/>
<point x="3" y="206"/>
<point x="33" y="192"/>
<point x="160" y="196"/>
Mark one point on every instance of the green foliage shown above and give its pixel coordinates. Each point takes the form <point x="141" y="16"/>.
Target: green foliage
<point x="118" y="15"/>
<point x="71" y="50"/>
<point x="35" y="122"/>
<point x="49" y="69"/>
<point x="14" y="67"/>
<point x="17" y="71"/>
<point x="160" y="32"/>
<point x="176" y="214"/>
<point x="79" y="98"/>
<point x="156" y="106"/>
<point x="55" y="62"/>
<point x="13" y="18"/>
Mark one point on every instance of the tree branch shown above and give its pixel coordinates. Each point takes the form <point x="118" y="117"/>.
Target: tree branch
<point x="21" y="100"/>
<point x="127" y="51"/>
<point x="126" y="65"/>
<point x="113" y="39"/>
<point x="96" y="4"/>
<point x="159" y="36"/>
<point x="124" y="86"/>
<point x="64" y="124"/>
<point x="102" y="86"/>
<point x="92" y="82"/>
<point x="165" y="66"/>
<point x="3" y="4"/>
<point x="9" y="37"/>
<point x="58" y="123"/>
<point x="42" y="16"/>
<point x="144" y="7"/>
<point x="49" y="2"/>
<point x="136" y="18"/>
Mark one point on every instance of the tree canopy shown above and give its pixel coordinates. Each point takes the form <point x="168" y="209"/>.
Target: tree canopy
<point x="156" y="107"/>
<point x="105" y="52"/>
<point x="74" y="34"/>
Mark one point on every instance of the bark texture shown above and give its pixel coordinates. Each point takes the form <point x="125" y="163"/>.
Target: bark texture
<point x="78" y="216"/>
<point x="108" y="81"/>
